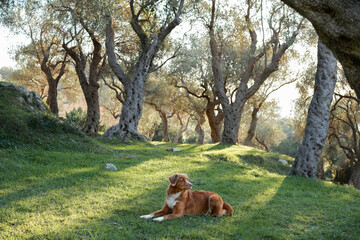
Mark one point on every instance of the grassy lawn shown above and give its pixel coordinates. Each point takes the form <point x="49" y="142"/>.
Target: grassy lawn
<point x="65" y="193"/>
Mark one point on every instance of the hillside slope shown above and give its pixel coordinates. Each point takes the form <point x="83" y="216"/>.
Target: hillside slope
<point x="53" y="185"/>
<point x="25" y="122"/>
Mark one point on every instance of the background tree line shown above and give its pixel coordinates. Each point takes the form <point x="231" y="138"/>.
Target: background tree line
<point x="196" y="71"/>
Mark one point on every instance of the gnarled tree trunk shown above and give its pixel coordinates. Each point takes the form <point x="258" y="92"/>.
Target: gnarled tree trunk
<point x="52" y="96"/>
<point x="233" y="109"/>
<point x="183" y="128"/>
<point x="215" y="121"/>
<point x="164" y="127"/>
<point x="253" y="124"/>
<point x="52" y="81"/>
<point x="91" y="93"/>
<point x="131" y="111"/>
<point x="317" y="123"/>
<point x="89" y="71"/>
<point x="337" y="22"/>
<point x="134" y="85"/>
<point x="199" y="130"/>
<point x="232" y="117"/>
<point x="355" y="176"/>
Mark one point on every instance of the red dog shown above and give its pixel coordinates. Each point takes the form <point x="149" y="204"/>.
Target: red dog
<point x="180" y="201"/>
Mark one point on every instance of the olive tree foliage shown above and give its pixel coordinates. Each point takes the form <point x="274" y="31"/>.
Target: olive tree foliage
<point x="152" y="21"/>
<point x="266" y="58"/>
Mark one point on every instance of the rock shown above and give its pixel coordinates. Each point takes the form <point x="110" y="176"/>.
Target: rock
<point x="22" y="90"/>
<point x="21" y="100"/>
<point x="173" y="149"/>
<point x="283" y="161"/>
<point x="111" y="167"/>
<point x="30" y="100"/>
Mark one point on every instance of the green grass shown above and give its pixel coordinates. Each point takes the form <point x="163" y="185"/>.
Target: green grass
<point x="52" y="194"/>
<point x="53" y="185"/>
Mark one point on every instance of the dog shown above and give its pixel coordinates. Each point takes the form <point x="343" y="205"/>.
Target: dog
<point x="180" y="201"/>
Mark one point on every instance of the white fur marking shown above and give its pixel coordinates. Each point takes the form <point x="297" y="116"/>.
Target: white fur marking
<point x="170" y="200"/>
<point x="147" y="216"/>
<point x="159" y="219"/>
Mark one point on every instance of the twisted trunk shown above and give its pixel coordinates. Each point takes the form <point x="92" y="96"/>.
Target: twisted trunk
<point x="131" y="111"/>
<point x="134" y="86"/>
<point x="199" y="129"/>
<point x="337" y="22"/>
<point x="89" y="82"/>
<point x="232" y="118"/>
<point x="234" y="109"/>
<point x="215" y="121"/>
<point x="164" y="127"/>
<point x="253" y="124"/>
<point x="355" y="176"/>
<point x="51" y="80"/>
<point x="93" y="109"/>
<point x="183" y="128"/>
<point x="317" y="123"/>
<point x="52" y="96"/>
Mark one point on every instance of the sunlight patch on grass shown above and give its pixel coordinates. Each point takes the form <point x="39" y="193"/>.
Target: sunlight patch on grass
<point x="69" y="195"/>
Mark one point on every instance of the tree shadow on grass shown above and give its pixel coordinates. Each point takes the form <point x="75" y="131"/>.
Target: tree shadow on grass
<point x="220" y="146"/>
<point x="41" y="175"/>
<point x="268" y="163"/>
<point x="303" y="209"/>
<point x="122" y="221"/>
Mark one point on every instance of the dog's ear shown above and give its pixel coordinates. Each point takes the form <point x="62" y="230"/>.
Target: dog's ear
<point x="173" y="179"/>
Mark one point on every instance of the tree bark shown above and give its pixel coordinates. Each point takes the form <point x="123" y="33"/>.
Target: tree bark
<point x="232" y="117"/>
<point x="183" y="128"/>
<point x="52" y="81"/>
<point x="215" y="121"/>
<point x="199" y="129"/>
<point x="262" y="143"/>
<point x="89" y="84"/>
<point x="355" y="176"/>
<point x="233" y="108"/>
<point x="134" y="85"/>
<point x="317" y="123"/>
<point x="337" y="22"/>
<point x="52" y="97"/>
<point x="93" y="110"/>
<point x="164" y="127"/>
<point x="253" y="124"/>
<point x="131" y="111"/>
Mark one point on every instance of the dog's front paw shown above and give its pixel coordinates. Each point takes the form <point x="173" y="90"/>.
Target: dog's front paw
<point x="147" y="216"/>
<point x="159" y="219"/>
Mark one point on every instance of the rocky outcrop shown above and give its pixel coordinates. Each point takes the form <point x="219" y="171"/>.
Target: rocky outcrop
<point x="29" y="100"/>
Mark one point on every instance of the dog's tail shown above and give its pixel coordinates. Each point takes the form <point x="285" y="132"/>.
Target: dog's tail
<point x="228" y="209"/>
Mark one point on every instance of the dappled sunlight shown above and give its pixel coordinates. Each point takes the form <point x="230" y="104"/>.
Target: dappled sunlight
<point x="75" y="197"/>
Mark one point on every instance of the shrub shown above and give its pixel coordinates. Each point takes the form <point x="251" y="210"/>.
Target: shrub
<point x="77" y="117"/>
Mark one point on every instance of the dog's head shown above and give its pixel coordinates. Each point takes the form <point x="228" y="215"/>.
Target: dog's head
<point x="180" y="180"/>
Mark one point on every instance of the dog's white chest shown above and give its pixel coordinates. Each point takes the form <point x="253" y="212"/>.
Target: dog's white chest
<point x="170" y="200"/>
